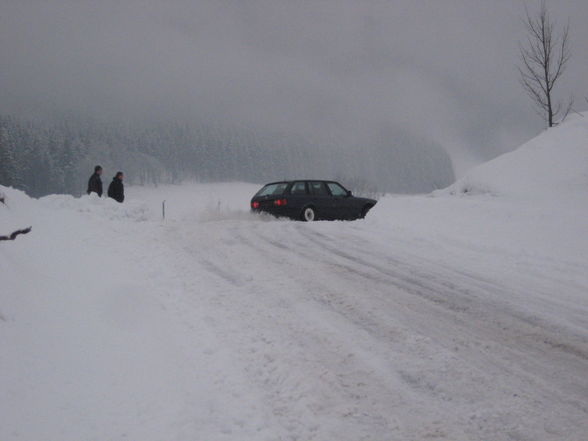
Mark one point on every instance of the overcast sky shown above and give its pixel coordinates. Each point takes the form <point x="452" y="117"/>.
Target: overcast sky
<point x="442" y="69"/>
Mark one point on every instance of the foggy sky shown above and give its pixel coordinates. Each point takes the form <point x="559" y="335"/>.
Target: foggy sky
<point x="342" y="69"/>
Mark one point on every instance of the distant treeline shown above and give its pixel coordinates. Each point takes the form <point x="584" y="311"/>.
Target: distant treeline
<point x="45" y="158"/>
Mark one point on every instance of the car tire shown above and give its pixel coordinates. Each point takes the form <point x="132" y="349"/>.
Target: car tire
<point x="308" y="214"/>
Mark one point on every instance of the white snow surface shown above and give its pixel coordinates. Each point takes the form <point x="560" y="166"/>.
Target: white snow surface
<point x="453" y="316"/>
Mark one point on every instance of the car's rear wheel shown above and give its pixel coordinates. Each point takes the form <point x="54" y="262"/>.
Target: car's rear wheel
<point x="308" y="214"/>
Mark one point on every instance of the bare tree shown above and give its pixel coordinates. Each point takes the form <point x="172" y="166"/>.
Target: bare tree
<point x="544" y="59"/>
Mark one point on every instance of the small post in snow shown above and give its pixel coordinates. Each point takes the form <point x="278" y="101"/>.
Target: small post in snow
<point x="163" y="209"/>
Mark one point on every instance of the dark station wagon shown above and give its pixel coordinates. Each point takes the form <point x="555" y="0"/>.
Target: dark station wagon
<point x="310" y="200"/>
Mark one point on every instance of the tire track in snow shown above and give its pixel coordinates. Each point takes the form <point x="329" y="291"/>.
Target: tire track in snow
<point x="274" y="371"/>
<point x="385" y="310"/>
<point x="520" y="338"/>
<point x="437" y="291"/>
<point x="413" y="374"/>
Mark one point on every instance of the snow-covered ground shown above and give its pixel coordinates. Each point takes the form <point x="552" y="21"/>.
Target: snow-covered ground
<point x="461" y="315"/>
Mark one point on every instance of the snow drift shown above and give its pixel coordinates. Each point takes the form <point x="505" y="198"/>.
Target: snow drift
<point x="554" y="165"/>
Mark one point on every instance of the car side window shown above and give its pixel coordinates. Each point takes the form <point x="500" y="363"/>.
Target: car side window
<point x="337" y="190"/>
<point x="318" y="189"/>
<point x="298" y="188"/>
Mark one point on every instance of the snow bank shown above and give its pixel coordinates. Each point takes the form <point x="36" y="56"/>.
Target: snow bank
<point x="78" y="323"/>
<point x="19" y="207"/>
<point x="13" y="211"/>
<point x="105" y="208"/>
<point x="531" y="203"/>
<point x="553" y="165"/>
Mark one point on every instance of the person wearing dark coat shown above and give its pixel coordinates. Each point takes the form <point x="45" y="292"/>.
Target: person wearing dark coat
<point x="95" y="183"/>
<point x="116" y="188"/>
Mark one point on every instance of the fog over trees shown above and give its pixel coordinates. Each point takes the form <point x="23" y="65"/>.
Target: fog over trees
<point x="44" y="158"/>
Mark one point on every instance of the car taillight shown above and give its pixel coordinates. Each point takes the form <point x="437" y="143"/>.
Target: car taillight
<point x="280" y="202"/>
<point x="255" y="204"/>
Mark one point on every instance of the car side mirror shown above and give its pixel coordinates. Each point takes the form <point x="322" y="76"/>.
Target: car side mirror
<point x="349" y="194"/>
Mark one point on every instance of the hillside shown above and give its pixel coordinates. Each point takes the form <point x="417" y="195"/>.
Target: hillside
<point x="553" y="166"/>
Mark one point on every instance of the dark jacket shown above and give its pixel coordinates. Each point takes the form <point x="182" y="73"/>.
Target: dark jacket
<point x="116" y="190"/>
<point x="95" y="184"/>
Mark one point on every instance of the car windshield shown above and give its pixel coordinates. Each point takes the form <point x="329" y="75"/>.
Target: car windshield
<point x="336" y="189"/>
<point x="273" y="189"/>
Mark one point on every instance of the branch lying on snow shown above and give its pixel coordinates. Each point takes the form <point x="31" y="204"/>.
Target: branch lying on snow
<point x="16" y="233"/>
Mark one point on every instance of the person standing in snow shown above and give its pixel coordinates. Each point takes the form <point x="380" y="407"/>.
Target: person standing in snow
<point x="95" y="183"/>
<point x="116" y="189"/>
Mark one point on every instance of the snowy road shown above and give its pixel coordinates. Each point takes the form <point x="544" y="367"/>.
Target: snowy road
<point x="442" y="318"/>
<point x="355" y="331"/>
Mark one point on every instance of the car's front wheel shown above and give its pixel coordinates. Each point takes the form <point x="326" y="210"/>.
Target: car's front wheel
<point x="308" y="214"/>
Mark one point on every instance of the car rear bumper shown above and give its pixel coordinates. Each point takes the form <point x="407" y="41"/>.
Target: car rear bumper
<point x="276" y="211"/>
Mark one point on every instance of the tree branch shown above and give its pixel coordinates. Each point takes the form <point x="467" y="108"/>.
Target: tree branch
<point x="16" y="233"/>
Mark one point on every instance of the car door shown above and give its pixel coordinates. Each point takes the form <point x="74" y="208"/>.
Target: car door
<point x="343" y="206"/>
<point x="298" y="197"/>
<point x="322" y="200"/>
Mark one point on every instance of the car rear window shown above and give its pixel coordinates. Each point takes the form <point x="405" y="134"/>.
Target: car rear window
<point x="273" y="189"/>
